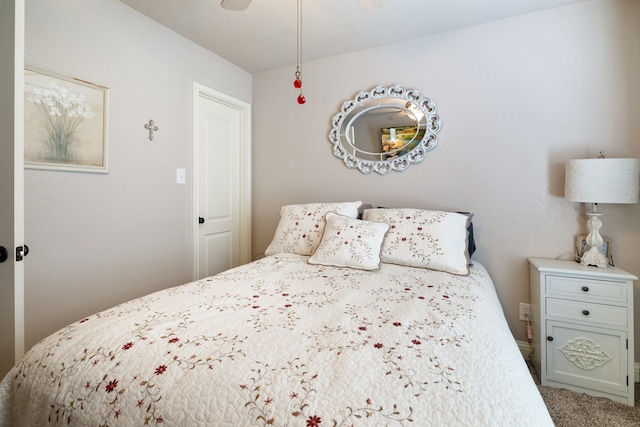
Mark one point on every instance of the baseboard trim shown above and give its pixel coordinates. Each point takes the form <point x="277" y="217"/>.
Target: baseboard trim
<point x="525" y="349"/>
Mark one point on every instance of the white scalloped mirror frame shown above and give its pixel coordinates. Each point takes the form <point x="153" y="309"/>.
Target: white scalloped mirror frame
<point x="391" y="102"/>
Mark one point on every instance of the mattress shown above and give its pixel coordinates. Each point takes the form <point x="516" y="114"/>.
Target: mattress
<point x="282" y="342"/>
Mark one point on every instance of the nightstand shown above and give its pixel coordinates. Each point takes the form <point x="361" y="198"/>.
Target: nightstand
<point x="582" y="320"/>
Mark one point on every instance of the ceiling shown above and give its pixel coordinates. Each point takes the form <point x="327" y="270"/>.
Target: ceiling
<point x="263" y="37"/>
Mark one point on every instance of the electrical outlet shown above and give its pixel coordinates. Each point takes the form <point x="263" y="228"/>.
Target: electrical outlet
<point x="524" y="311"/>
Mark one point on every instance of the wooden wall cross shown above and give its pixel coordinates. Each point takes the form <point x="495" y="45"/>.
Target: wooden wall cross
<point x="151" y="128"/>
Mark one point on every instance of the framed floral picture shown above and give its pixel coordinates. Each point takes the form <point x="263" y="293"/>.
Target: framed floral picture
<point x="66" y="123"/>
<point x="400" y="140"/>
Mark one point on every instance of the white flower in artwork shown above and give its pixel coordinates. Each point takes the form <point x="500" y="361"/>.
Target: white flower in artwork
<point x="62" y="112"/>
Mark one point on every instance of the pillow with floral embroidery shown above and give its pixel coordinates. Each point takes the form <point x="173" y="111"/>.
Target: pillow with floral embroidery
<point x="349" y="242"/>
<point x="422" y="238"/>
<point x="301" y="226"/>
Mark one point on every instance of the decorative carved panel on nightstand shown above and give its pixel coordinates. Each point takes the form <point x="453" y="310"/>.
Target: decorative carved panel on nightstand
<point x="584" y="353"/>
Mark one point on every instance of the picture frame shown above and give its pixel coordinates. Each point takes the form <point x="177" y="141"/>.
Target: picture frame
<point x="65" y="123"/>
<point x="604" y="248"/>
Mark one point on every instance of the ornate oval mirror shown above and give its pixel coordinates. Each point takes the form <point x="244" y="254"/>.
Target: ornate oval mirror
<point x="385" y="129"/>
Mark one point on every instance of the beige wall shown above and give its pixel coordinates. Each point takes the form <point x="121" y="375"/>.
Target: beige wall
<point x="97" y="240"/>
<point x="517" y="98"/>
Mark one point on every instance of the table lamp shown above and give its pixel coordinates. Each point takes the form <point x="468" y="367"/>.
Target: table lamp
<point x="600" y="180"/>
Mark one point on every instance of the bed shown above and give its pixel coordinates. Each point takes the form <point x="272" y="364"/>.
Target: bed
<point x="331" y="328"/>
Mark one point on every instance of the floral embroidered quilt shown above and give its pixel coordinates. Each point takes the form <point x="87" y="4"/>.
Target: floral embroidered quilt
<point x="285" y="343"/>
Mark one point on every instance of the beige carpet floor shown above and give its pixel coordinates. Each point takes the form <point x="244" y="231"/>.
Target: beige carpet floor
<point x="570" y="409"/>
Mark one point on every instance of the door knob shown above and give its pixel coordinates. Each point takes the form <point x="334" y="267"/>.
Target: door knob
<point x="21" y="252"/>
<point x="200" y="220"/>
<point x="4" y="255"/>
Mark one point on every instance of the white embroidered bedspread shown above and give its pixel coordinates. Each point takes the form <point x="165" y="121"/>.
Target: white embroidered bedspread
<point x="281" y="342"/>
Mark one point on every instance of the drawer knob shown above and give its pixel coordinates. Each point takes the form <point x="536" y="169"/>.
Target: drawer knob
<point x="549" y="338"/>
<point x="585" y="312"/>
<point x="585" y="288"/>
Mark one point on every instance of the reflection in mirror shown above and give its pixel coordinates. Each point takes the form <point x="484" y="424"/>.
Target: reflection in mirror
<point x="385" y="129"/>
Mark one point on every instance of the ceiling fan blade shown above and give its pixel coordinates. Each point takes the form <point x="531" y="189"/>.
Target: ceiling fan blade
<point x="396" y="114"/>
<point x="235" y="4"/>
<point x="369" y="5"/>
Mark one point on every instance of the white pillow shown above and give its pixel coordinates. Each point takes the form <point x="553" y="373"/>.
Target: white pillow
<point x="349" y="242"/>
<point x="301" y="226"/>
<point x="422" y="238"/>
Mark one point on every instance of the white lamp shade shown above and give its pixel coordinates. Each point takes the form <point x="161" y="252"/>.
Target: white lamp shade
<point x="602" y="180"/>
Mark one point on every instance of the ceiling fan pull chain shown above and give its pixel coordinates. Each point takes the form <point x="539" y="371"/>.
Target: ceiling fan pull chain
<point x="297" y="83"/>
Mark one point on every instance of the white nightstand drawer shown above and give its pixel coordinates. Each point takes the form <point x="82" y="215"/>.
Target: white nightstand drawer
<point x="585" y="312"/>
<point x="577" y="287"/>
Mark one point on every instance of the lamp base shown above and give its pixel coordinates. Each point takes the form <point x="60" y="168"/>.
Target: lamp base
<point x="593" y="257"/>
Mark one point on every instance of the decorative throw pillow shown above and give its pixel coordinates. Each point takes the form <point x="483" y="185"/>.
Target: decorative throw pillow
<point x="349" y="242"/>
<point x="301" y="226"/>
<point x="422" y="238"/>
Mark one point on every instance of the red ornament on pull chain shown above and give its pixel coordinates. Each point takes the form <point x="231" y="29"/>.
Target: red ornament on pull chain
<point x="297" y="83"/>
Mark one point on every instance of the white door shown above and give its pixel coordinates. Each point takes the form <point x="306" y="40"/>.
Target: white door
<point x="11" y="182"/>
<point x="222" y="182"/>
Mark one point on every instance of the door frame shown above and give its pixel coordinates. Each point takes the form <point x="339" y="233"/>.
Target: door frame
<point x="12" y="43"/>
<point x="244" y="109"/>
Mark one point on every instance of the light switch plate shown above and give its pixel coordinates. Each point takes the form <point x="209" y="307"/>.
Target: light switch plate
<point x="181" y="177"/>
